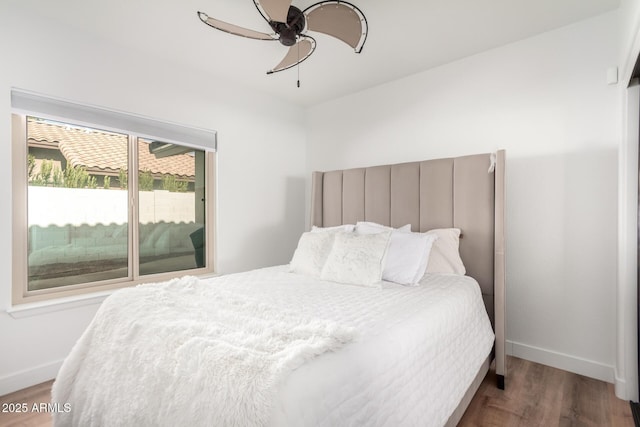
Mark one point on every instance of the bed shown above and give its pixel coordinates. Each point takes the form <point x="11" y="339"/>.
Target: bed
<point x="277" y="347"/>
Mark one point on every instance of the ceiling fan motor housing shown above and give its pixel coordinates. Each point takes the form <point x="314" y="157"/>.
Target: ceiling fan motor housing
<point x="290" y="30"/>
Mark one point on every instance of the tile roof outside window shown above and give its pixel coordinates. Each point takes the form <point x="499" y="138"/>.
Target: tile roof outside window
<point x="102" y="151"/>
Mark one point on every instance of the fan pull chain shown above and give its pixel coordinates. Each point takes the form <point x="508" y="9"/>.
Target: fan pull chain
<point x="298" y="65"/>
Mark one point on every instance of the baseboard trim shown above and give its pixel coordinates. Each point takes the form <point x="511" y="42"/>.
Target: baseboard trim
<point x="621" y="387"/>
<point x="567" y="362"/>
<point x="29" y="377"/>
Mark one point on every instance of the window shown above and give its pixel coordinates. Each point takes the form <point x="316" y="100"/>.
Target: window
<point x="96" y="208"/>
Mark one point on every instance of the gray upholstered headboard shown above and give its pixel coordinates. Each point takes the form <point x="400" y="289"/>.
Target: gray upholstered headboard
<point x="455" y="192"/>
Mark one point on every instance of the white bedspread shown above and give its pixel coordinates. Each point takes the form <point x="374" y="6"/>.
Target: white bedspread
<point x="415" y="352"/>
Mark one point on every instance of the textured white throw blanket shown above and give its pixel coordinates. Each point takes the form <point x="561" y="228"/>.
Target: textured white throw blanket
<point x="186" y="353"/>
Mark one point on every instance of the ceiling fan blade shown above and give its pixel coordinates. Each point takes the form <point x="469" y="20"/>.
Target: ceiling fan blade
<point x="296" y="54"/>
<point x="275" y="10"/>
<point x="234" y="29"/>
<point x="339" y="19"/>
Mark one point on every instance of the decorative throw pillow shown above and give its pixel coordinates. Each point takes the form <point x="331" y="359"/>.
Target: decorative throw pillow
<point x="356" y="259"/>
<point x="311" y="253"/>
<point x="445" y="254"/>
<point x="407" y="257"/>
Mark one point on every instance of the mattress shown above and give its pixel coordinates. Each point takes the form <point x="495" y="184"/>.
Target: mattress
<point x="415" y="351"/>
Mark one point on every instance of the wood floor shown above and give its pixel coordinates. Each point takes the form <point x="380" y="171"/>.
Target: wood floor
<point x="37" y="394"/>
<point x="536" y="395"/>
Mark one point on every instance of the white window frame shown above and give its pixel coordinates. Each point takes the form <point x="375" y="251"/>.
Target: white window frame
<point x="20" y="292"/>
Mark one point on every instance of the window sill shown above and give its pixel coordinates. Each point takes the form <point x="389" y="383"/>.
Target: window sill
<point x="21" y="311"/>
<point x="50" y="306"/>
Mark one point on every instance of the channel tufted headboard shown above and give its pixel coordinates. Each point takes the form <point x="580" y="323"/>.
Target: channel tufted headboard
<point x="465" y="192"/>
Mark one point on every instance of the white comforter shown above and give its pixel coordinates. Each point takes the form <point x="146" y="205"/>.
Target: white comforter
<point x="415" y="351"/>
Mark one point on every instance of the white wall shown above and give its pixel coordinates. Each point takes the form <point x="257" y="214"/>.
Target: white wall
<point x="261" y="171"/>
<point x="545" y="100"/>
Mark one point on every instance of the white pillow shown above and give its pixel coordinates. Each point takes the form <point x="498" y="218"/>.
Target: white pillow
<point x="356" y="259"/>
<point x="345" y="227"/>
<point x="407" y="257"/>
<point x="364" y="227"/>
<point x="445" y="254"/>
<point x="311" y="253"/>
<point x="408" y="253"/>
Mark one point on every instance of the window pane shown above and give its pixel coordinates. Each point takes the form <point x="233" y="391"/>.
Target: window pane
<point x="77" y="204"/>
<point x="171" y="207"/>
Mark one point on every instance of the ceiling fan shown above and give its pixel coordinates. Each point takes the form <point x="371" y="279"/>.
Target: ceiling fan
<point x="339" y="19"/>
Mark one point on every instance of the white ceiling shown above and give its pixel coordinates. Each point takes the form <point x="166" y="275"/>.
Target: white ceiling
<point x="405" y="37"/>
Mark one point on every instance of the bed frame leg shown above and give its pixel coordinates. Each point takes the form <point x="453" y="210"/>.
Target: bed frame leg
<point x="500" y="382"/>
